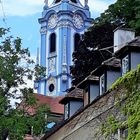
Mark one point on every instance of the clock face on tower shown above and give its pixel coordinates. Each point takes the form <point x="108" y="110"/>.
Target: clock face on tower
<point x="78" y="21"/>
<point x="52" y="21"/>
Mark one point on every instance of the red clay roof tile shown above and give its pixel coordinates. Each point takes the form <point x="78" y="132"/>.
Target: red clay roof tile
<point x="53" y="103"/>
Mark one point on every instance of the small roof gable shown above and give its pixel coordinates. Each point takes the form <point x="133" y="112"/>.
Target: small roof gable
<point x="135" y="42"/>
<point x="133" y="46"/>
<point x="87" y="80"/>
<point x="110" y="64"/>
<point x="113" y="62"/>
<point x="75" y="95"/>
<point x="70" y="89"/>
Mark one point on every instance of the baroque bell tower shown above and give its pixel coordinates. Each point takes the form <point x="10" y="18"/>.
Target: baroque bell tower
<point x="62" y="24"/>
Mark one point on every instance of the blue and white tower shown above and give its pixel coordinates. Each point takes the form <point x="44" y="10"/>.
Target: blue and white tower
<point x="62" y="23"/>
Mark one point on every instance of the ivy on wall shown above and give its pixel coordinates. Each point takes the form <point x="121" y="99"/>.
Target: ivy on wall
<point x="128" y="102"/>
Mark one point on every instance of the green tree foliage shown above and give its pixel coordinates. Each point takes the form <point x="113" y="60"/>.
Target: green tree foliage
<point x="89" y="54"/>
<point x="40" y="72"/>
<point x="130" y="107"/>
<point x="124" y="13"/>
<point x="15" y="69"/>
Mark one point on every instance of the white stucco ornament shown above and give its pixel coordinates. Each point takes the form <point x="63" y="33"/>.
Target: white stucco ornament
<point x="51" y="86"/>
<point x="78" y="21"/>
<point x="51" y="65"/>
<point x="52" y="21"/>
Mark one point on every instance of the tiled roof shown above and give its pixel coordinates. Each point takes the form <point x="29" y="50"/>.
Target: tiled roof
<point x="28" y="137"/>
<point x="87" y="80"/>
<point x="112" y="62"/>
<point x="52" y="102"/>
<point x="70" y="89"/>
<point x="75" y="94"/>
<point x="135" y="42"/>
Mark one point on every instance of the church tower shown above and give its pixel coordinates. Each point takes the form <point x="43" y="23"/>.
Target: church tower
<point x="62" y="24"/>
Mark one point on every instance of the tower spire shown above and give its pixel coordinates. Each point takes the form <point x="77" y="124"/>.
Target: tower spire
<point x="86" y="2"/>
<point x="46" y="2"/>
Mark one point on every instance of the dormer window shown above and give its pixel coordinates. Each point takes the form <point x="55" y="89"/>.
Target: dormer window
<point x="125" y="65"/>
<point x="102" y="84"/>
<point x="86" y="96"/>
<point x="66" y="111"/>
<point x="94" y="90"/>
<point x="121" y="134"/>
<point x="124" y="133"/>
<point x="72" y="103"/>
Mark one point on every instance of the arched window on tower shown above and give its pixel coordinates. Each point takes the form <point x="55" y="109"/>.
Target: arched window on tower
<point x="57" y="1"/>
<point x="74" y="1"/>
<point x="52" y="42"/>
<point x="76" y="41"/>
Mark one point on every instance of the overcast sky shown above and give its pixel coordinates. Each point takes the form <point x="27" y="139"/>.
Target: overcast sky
<point x="22" y="16"/>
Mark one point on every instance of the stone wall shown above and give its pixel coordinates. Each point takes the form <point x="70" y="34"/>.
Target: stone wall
<point x="87" y="124"/>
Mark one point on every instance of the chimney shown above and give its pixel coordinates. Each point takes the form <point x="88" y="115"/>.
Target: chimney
<point x="122" y="36"/>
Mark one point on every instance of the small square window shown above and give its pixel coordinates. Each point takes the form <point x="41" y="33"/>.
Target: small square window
<point x="102" y="84"/>
<point x="120" y="134"/>
<point x="66" y="111"/>
<point x="125" y="65"/>
<point x="86" y="98"/>
<point x="116" y="136"/>
<point x="124" y="134"/>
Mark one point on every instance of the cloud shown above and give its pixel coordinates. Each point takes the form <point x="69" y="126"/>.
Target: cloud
<point x="30" y="7"/>
<point x="21" y="7"/>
